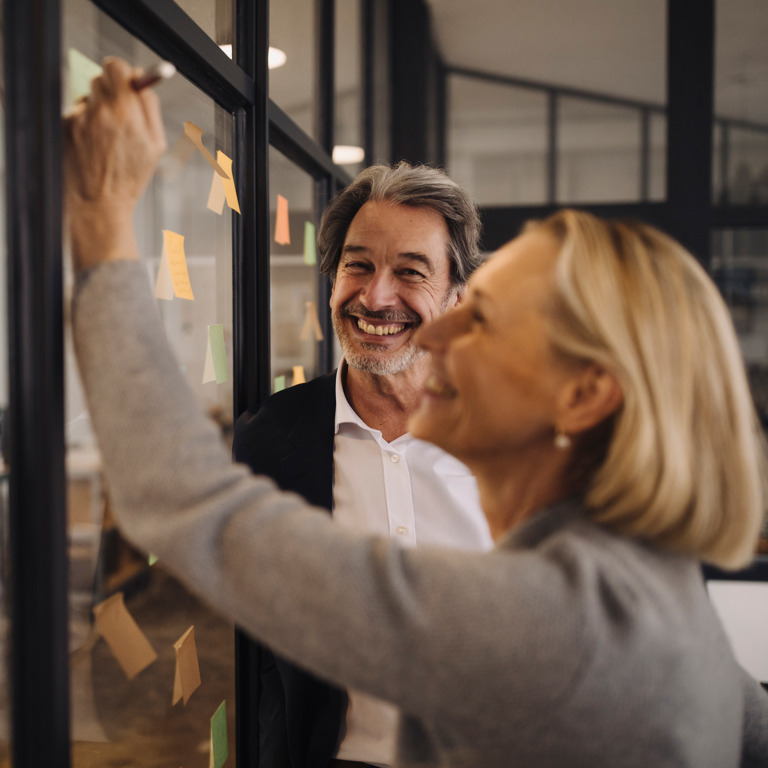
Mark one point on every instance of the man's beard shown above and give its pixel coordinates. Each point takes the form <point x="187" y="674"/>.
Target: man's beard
<point x="368" y="356"/>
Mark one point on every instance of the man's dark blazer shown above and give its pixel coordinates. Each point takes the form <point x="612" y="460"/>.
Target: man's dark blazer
<point x="290" y="438"/>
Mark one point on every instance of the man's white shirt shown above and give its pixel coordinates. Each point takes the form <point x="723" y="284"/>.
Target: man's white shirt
<point x="415" y="493"/>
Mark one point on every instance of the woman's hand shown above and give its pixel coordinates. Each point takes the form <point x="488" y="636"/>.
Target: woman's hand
<point x="112" y="143"/>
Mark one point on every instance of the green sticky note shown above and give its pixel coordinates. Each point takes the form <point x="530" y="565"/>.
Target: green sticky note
<point x="153" y="559"/>
<point x="310" y="254"/>
<point x="279" y="383"/>
<point x="218" y="352"/>
<point x="219" y="747"/>
<point x="81" y="71"/>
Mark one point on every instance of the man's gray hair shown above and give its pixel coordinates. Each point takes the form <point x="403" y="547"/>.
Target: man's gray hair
<point x="419" y="187"/>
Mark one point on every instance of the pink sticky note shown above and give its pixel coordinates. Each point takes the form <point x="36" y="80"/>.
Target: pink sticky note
<point x="282" y="229"/>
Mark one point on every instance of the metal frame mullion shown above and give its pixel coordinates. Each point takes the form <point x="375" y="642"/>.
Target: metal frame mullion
<point x="39" y="657"/>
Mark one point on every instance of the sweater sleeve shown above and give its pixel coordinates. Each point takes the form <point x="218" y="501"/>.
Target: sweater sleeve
<point x="755" y="750"/>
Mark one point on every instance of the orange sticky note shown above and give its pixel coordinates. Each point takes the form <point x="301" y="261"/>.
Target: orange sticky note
<point x="177" y="264"/>
<point x="311" y="322"/>
<point x="298" y="375"/>
<point x="195" y="135"/>
<point x="187" y="677"/>
<point x="282" y="229"/>
<point x="128" y="643"/>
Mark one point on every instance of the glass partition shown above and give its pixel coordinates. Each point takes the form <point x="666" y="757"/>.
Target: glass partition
<point x="124" y="705"/>
<point x="598" y="152"/>
<point x="497" y="141"/>
<point x="215" y="17"/>
<point x="294" y="310"/>
<point x="348" y="124"/>
<point x="293" y="71"/>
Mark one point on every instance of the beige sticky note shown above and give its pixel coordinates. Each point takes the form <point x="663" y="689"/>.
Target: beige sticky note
<point x="311" y="322"/>
<point x="196" y="137"/>
<point x="229" y="182"/>
<point x="298" y="375"/>
<point x="164" y="284"/>
<point x="81" y="71"/>
<point x="282" y="228"/>
<point x="177" y="264"/>
<point x="187" y="677"/>
<point x="216" y="196"/>
<point x="127" y="642"/>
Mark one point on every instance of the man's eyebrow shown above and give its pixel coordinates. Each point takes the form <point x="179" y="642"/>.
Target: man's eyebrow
<point x="351" y="248"/>
<point x="418" y="257"/>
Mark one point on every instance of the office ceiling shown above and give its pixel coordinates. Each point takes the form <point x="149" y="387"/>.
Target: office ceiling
<point x="606" y="46"/>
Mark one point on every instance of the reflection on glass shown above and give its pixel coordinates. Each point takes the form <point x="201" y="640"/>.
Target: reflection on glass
<point x="5" y="715"/>
<point x="294" y="276"/>
<point x="348" y="128"/>
<point x="598" y="152"/>
<point x="117" y="721"/>
<point x="215" y="17"/>
<point x="292" y="86"/>
<point x="747" y="166"/>
<point x="497" y="141"/>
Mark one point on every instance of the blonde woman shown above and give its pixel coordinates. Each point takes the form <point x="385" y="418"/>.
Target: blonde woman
<point x="591" y="380"/>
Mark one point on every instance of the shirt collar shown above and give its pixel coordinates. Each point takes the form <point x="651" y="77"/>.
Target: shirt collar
<point x="345" y="414"/>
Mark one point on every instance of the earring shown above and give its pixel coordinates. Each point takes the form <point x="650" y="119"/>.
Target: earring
<point x="562" y="441"/>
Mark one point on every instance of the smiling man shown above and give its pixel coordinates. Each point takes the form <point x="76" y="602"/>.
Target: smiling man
<point x="398" y="245"/>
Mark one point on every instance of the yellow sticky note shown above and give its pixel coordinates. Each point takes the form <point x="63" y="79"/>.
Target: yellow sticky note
<point x="177" y="264"/>
<point x="311" y="322"/>
<point x="282" y="228"/>
<point x="128" y="643"/>
<point x="298" y="375"/>
<point x="216" y="197"/>
<point x="187" y="676"/>
<point x="81" y="71"/>
<point x="310" y="252"/>
<point x="219" y="745"/>
<point x="195" y="135"/>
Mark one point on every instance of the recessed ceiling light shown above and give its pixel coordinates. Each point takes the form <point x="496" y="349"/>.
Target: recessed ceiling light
<point x="346" y="155"/>
<point x="227" y="49"/>
<point x="276" y="58"/>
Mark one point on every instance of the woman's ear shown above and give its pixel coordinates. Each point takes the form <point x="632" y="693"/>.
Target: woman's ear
<point x="591" y="396"/>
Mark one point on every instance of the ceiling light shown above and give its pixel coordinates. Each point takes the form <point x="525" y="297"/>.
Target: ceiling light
<point x="346" y="155"/>
<point x="227" y="49"/>
<point x="276" y="58"/>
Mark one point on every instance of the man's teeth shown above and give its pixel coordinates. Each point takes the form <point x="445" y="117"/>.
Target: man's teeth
<point x="379" y="330"/>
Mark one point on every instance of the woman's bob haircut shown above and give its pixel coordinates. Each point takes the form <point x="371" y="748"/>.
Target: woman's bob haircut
<point x="682" y="465"/>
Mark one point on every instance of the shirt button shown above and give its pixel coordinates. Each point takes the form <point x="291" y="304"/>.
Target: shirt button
<point x="402" y="530"/>
<point x="394" y="458"/>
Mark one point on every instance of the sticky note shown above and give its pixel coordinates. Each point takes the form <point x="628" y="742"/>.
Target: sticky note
<point x="282" y="228"/>
<point x="152" y="559"/>
<point x="128" y="643"/>
<point x="311" y="322"/>
<point x="223" y="188"/>
<point x="219" y="746"/>
<point x="187" y="676"/>
<point x="279" y="383"/>
<point x="310" y="253"/>
<point x="177" y="264"/>
<point x="298" y="375"/>
<point x="195" y="135"/>
<point x="164" y="283"/>
<point x="81" y="71"/>
<point x="218" y="352"/>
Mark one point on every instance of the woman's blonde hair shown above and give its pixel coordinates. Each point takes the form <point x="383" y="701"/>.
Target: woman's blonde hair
<point x="682" y="464"/>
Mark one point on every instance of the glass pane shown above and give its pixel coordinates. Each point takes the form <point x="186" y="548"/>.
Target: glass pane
<point x="348" y="127"/>
<point x="292" y="84"/>
<point x="294" y="274"/>
<point x="740" y="268"/>
<point x="117" y="720"/>
<point x="657" y="156"/>
<point x="598" y="152"/>
<point x="215" y="17"/>
<point x="741" y="99"/>
<point x="497" y="141"/>
<point x="747" y="166"/>
<point x="5" y="715"/>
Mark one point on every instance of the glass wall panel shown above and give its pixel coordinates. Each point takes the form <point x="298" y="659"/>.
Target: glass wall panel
<point x="741" y="95"/>
<point x="348" y="123"/>
<point x="294" y="310"/>
<point x="497" y="141"/>
<point x="740" y="268"/>
<point x="120" y="718"/>
<point x="657" y="156"/>
<point x="598" y="152"/>
<point x="292" y="85"/>
<point x="215" y="17"/>
<point x="5" y="715"/>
